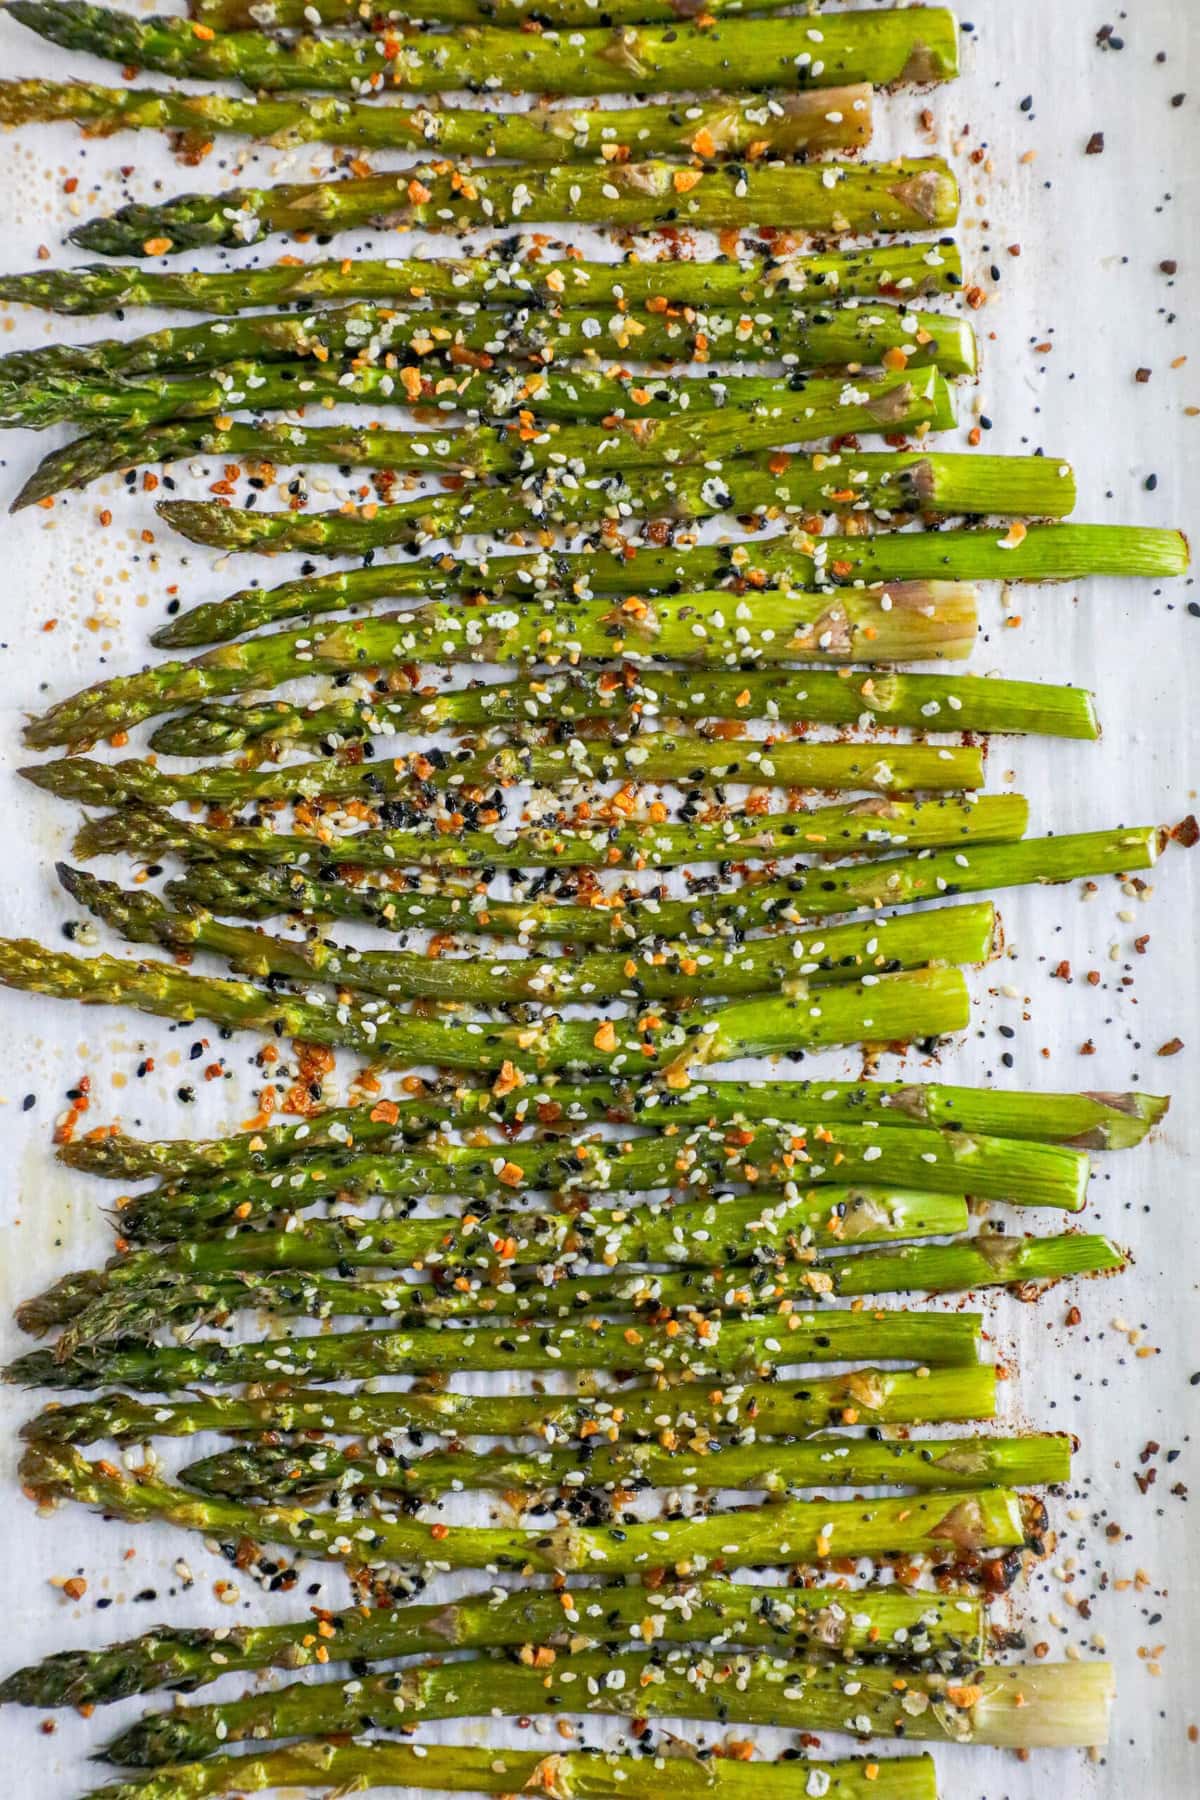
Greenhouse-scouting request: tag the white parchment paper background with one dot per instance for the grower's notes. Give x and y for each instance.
(1092, 232)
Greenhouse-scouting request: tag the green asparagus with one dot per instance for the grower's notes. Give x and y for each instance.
(317, 1470)
(1044, 553)
(890, 483)
(838, 953)
(570, 394)
(821, 408)
(688, 761)
(841, 199)
(879, 48)
(795, 899)
(864, 1396)
(803, 123)
(795, 1531)
(809, 1154)
(244, 15)
(139, 1290)
(994, 1260)
(926, 702)
(901, 623)
(150, 833)
(801, 338)
(887, 482)
(909, 1627)
(915, 1004)
(700, 1345)
(566, 1775)
(1039, 1704)
(1084, 1121)
(1043, 1705)
(890, 271)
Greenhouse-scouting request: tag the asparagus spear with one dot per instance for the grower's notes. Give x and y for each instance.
(992, 1261)
(793, 1531)
(243, 15)
(916, 1004)
(909, 1627)
(570, 1775)
(839, 953)
(821, 408)
(864, 1396)
(873, 825)
(907, 622)
(1085, 1121)
(663, 757)
(803, 123)
(800, 337)
(843, 199)
(699, 1346)
(959, 703)
(1044, 1705)
(759, 53)
(775, 1153)
(313, 1471)
(1044, 553)
(266, 383)
(888, 482)
(140, 1288)
(793, 899)
(893, 271)
(569, 395)
(129, 1299)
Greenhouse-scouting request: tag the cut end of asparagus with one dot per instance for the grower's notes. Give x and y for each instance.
(1051, 1706)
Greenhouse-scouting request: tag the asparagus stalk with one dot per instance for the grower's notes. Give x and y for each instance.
(1084, 1121)
(793, 899)
(864, 1396)
(150, 833)
(133, 403)
(691, 761)
(144, 1289)
(569, 396)
(839, 953)
(991, 1261)
(803, 123)
(959, 703)
(318, 1471)
(1042, 1705)
(890, 483)
(776, 1153)
(699, 1346)
(570, 1775)
(900, 623)
(243, 15)
(1044, 553)
(887, 482)
(843, 199)
(765, 486)
(822, 408)
(909, 1627)
(916, 1004)
(801, 338)
(497, 278)
(794, 1531)
(883, 48)
(140, 1289)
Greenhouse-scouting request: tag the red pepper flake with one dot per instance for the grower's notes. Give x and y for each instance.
(1095, 144)
(1172, 1047)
